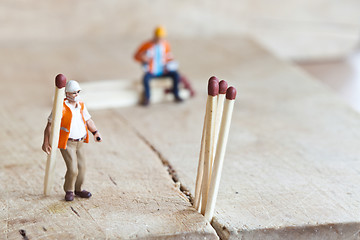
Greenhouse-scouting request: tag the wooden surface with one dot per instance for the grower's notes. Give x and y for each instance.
(292, 164)
(291, 169)
(341, 75)
(118, 93)
(133, 194)
(293, 29)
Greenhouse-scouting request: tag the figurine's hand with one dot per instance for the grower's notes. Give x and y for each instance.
(98, 137)
(46, 148)
(145, 59)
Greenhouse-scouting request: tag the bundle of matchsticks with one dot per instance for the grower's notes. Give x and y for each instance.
(219, 108)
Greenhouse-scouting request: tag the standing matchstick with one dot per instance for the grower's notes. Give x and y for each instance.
(200, 170)
(219, 112)
(60, 82)
(220, 106)
(213, 133)
(213, 91)
(220, 152)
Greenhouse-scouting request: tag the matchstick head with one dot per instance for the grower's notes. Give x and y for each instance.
(214, 78)
(213, 87)
(231, 93)
(223, 86)
(60, 81)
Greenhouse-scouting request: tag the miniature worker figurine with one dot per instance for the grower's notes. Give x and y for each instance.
(157, 60)
(75, 123)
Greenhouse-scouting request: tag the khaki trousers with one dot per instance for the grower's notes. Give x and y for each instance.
(75, 164)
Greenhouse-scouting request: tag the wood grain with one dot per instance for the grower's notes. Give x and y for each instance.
(292, 155)
(292, 160)
(133, 194)
(293, 29)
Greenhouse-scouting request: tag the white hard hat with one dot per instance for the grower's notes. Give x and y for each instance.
(72, 86)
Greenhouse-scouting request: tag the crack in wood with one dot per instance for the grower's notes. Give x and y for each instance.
(169, 168)
(164, 161)
(112, 180)
(75, 211)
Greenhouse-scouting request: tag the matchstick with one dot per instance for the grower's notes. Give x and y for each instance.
(200, 170)
(213, 91)
(213, 133)
(219, 112)
(220, 152)
(60, 82)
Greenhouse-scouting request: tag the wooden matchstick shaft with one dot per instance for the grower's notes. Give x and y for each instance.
(208, 154)
(219, 112)
(211, 103)
(60, 82)
(219, 157)
(200, 170)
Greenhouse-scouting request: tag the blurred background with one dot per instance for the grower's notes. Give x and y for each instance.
(320, 36)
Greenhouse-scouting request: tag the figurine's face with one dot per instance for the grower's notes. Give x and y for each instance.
(73, 96)
(157, 39)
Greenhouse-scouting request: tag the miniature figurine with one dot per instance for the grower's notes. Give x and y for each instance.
(157, 61)
(75, 123)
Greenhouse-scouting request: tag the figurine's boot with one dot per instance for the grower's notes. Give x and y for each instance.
(69, 196)
(83, 194)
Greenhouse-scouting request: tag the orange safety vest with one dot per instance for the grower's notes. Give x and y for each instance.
(148, 48)
(66, 123)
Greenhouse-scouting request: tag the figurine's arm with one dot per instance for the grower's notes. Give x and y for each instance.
(92, 128)
(46, 143)
(140, 54)
(144, 58)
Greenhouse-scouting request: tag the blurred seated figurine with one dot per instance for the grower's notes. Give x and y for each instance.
(157, 60)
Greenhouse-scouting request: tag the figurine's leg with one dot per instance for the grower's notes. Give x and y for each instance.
(81, 166)
(175, 77)
(186, 84)
(69, 155)
(146, 82)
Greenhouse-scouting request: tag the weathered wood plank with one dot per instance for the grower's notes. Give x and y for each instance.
(133, 195)
(293, 29)
(292, 163)
(117, 93)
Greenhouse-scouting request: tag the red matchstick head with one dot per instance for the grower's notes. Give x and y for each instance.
(214, 78)
(213, 87)
(60, 81)
(231, 93)
(222, 86)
